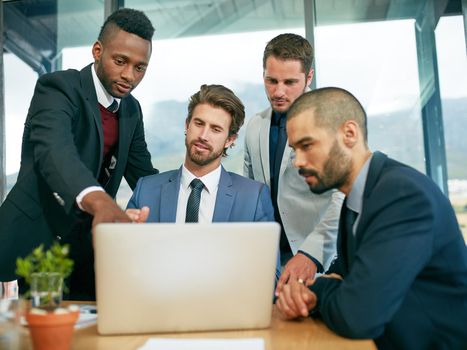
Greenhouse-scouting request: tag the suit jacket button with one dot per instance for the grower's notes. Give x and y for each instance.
(59, 199)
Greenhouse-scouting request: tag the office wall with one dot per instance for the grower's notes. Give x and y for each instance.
(371, 51)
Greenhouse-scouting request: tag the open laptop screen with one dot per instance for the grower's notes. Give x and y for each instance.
(160, 277)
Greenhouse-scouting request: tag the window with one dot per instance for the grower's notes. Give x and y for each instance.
(377, 62)
(18, 94)
(205, 44)
(452, 66)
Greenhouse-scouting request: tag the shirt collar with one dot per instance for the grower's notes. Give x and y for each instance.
(210, 180)
(103, 97)
(355, 197)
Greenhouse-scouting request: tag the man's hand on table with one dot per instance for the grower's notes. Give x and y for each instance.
(300, 267)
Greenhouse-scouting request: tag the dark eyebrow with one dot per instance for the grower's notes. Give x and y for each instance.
(217, 126)
(212, 125)
(127, 58)
(302, 140)
(121, 55)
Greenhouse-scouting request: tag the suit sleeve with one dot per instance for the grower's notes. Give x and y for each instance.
(139, 159)
(264, 208)
(396, 242)
(50, 125)
(321, 242)
(133, 203)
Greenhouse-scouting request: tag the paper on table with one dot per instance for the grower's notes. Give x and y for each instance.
(85, 320)
(203, 344)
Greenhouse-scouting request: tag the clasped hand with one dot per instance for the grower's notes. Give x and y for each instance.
(296, 299)
(300, 267)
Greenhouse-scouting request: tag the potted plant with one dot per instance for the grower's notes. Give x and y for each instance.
(51, 326)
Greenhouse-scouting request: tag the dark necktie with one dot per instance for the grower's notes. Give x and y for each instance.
(350, 217)
(113, 106)
(277, 146)
(192, 208)
(281, 141)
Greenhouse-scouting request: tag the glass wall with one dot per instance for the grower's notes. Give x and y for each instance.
(18, 93)
(377, 62)
(368, 49)
(202, 48)
(70, 24)
(452, 65)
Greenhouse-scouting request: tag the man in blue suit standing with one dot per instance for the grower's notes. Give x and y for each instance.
(215, 116)
(400, 276)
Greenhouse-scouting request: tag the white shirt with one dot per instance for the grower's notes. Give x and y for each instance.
(208, 195)
(105, 99)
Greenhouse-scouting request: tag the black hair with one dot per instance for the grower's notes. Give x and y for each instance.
(129, 20)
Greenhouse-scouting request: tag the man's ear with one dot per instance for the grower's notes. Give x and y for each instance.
(97, 50)
(350, 133)
(230, 140)
(309, 77)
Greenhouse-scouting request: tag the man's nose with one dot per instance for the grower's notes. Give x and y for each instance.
(280, 90)
(128, 73)
(204, 133)
(298, 160)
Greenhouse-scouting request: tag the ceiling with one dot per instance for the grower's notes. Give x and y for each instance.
(35, 33)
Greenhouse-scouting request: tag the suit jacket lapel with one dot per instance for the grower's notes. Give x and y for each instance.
(376, 166)
(126, 124)
(264, 145)
(377, 163)
(169, 198)
(90, 94)
(225, 198)
(285, 159)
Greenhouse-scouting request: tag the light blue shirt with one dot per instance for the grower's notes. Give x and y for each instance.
(355, 197)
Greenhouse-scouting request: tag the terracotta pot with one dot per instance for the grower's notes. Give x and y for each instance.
(51, 331)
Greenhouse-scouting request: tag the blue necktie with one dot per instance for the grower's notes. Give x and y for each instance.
(278, 140)
(281, 141)
(192, 208)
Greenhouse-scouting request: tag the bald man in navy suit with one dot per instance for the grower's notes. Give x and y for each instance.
(400, 276)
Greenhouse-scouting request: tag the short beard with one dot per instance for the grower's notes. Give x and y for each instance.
(335, 173)
(202, 160)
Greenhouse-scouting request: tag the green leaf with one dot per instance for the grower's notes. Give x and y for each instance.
(55, 259)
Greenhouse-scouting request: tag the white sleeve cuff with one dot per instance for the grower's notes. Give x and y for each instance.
(84, 192)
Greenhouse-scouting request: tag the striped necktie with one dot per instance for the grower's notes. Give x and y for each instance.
(192, 208)
(113, 106)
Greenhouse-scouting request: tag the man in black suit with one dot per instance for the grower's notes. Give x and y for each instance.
(83, 133)
(400, 276)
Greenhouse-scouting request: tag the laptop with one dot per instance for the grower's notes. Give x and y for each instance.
(167, 277)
